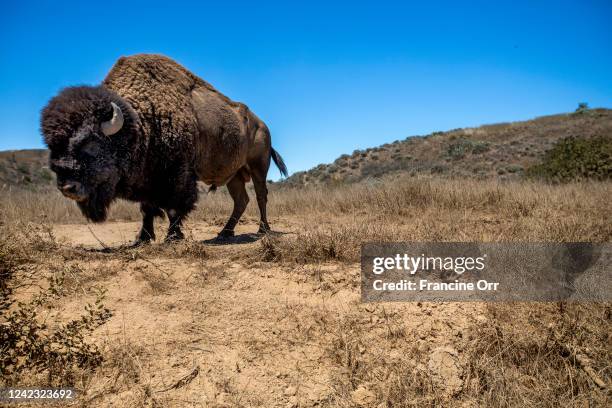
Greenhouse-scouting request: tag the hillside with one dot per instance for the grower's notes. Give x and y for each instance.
(503, 150)
(25, 168)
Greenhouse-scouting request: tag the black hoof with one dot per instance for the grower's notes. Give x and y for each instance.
(225, 234)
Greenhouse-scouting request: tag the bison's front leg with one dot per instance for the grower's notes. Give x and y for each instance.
(236, 189)
(180, 198)
(147, 231)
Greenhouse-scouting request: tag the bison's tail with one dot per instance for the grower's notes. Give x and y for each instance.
(278, 160)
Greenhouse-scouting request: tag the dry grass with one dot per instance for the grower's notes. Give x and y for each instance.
(415, 208)
(529, 355)
(436, 210)
(520, 354)
(408, 209)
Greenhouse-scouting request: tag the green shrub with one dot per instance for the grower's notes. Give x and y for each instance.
(27, 342)
(23, 168)
(479, 147)
(342, 159)
(583, 107)
(458, 150)
(514, 168)
(439, 169)
(575, 158)
(46, 175)
(461, 147)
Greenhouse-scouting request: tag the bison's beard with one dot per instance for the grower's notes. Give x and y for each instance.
(95, 206)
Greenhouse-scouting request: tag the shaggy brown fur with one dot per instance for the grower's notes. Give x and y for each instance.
(159, 90)
(177, 129)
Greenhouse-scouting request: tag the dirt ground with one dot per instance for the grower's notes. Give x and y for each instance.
(278, 321)
(226, 330)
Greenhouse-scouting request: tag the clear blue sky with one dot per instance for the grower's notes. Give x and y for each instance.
(328, 77)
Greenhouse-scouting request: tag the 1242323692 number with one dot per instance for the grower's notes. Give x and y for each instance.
(33, 393)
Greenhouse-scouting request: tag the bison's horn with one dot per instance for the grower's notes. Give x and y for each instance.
(114, 125)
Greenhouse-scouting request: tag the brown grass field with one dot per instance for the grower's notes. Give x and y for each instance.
(278, 322)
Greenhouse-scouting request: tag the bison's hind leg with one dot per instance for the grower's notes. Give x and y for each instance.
(236, 189)
(259, 172)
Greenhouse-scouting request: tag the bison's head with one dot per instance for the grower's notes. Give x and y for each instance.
(88, 136)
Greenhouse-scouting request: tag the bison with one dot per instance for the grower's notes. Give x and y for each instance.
(147, 134)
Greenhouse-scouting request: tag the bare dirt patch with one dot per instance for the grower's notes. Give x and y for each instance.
(260, 333)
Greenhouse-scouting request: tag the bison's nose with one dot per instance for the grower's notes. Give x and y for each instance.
(70, 188)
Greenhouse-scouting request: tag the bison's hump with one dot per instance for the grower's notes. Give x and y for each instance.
(159, 91)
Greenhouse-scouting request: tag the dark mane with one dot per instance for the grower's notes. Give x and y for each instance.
(78, 105)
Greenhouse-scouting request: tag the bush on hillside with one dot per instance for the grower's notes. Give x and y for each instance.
(458, 149)
(575, 158)
(583, 107)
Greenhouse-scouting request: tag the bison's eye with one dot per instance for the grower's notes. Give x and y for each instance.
(91, 149)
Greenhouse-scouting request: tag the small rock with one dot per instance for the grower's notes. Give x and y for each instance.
(293, 402)
(290, 391)
(222, 400)
(445, 369)
(422, 347)
(481, 319)
(363, 396)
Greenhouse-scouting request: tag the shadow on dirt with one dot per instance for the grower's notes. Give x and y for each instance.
(241, 238)
(235, 240)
